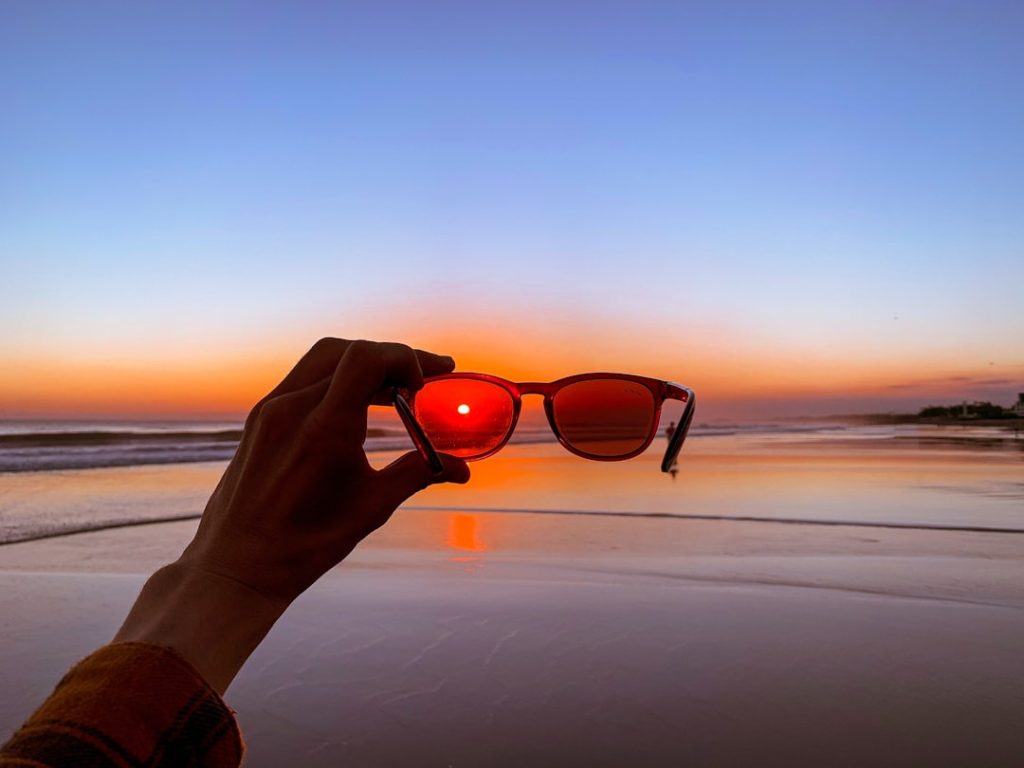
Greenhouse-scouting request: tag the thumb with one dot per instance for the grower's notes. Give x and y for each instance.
(409, 474)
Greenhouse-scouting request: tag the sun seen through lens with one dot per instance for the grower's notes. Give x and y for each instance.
(468, 418)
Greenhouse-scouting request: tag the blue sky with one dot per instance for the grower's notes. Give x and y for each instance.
(837, 181)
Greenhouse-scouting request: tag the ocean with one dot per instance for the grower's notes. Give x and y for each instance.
(36, 446)
(58, 478)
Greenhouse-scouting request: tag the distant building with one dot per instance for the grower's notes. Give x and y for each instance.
(1018, 408)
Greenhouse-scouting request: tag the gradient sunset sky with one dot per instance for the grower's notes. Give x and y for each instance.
(794, 208)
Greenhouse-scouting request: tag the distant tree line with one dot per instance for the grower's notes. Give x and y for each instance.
(974, 410)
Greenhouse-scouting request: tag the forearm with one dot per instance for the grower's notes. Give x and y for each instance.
(214, 622)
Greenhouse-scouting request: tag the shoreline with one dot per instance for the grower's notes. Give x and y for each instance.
(623, 515)
(895, 419)
(946, 565)
(937, 480)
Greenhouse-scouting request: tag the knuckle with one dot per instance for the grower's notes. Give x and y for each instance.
(366, 353)
(406, 363)
(402, 349)
(275, 411)
(363, 347)
(314, 427)
(403, 354)
(254, 415)
(326, 344)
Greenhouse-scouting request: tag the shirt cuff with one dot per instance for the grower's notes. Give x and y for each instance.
(126, 704)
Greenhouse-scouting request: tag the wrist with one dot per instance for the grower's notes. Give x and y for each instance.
(211, 620)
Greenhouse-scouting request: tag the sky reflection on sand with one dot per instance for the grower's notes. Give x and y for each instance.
(746, 475)
(891, 482)
(895, 477)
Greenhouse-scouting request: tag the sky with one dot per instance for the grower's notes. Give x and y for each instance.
(792, 207)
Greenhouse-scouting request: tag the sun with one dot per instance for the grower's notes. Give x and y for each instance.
(463, 409)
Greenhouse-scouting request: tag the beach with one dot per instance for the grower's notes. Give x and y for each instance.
(826, 597)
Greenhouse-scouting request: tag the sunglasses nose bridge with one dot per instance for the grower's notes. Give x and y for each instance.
(534, 388)
(542, 389)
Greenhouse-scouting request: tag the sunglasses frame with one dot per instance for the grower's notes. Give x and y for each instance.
(660, 390)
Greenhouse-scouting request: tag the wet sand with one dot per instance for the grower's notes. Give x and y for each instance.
(460, 637)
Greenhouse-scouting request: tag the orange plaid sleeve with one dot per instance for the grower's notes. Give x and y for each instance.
(129, 705)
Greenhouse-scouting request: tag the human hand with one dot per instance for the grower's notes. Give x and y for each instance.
(300, 493)
(297, 497)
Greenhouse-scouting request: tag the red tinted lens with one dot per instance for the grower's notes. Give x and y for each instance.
(605, 417)
(464, 417)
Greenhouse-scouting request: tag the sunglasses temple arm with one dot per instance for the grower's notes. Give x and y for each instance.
(419, 437)
(679, 436)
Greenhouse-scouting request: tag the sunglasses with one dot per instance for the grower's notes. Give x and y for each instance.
(600, 416)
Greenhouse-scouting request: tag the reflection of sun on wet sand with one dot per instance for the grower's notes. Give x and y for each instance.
(464, 533)
(486, 638)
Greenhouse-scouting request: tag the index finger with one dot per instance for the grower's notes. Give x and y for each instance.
(368, 369)
(323, 357)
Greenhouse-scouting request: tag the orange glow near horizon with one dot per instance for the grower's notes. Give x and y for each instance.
(723, 368)
(534, 203)
(177, 390)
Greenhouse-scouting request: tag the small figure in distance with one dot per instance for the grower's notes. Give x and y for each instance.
(669, 431)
